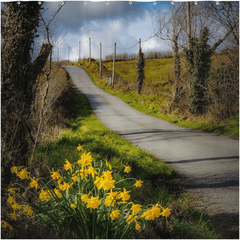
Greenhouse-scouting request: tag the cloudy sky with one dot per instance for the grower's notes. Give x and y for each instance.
(117, 21)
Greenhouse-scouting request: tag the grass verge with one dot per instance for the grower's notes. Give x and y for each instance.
(161, 183)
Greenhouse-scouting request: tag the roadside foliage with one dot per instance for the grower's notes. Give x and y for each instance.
(83, 198)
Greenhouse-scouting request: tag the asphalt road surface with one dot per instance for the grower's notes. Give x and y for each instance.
(210, 162)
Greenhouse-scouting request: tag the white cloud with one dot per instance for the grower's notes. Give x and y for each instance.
(115, 26)
(153, 44)
(107, 32)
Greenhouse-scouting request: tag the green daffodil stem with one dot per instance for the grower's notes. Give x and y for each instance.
(125, 179)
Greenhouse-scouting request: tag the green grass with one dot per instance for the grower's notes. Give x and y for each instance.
(156, 70)
(154, 105)
(70, 81)
(104, 144)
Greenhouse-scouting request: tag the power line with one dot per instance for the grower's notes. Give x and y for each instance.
(128, 48)
(109, 47)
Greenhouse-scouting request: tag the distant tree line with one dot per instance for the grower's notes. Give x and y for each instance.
(148, 55)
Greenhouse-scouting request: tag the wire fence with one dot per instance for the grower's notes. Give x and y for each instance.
(91, 49)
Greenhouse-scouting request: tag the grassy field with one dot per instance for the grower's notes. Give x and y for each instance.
(156, 70)
(155, 99)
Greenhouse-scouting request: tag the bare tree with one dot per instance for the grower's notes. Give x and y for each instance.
(169, 27)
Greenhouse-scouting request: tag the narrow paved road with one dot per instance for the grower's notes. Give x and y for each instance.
(210, 161)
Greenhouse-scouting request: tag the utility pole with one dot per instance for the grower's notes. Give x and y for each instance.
(68, 52)
(100, 70)
(114, 56)
(79, 50)
(139, 44)
(58, 55)
(89, 51)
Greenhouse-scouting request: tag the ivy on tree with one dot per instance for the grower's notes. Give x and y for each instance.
(140, 70)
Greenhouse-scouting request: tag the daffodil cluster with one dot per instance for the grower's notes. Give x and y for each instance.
(86, 193)
(18, 209)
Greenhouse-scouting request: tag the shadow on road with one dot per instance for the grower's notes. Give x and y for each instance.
(203, 159)
(230, 183)
(159, 134)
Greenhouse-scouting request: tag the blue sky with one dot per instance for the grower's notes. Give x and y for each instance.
(117, 21)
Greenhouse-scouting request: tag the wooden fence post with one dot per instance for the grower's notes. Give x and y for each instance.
(100, 70)
(89, 51)
(114, 56)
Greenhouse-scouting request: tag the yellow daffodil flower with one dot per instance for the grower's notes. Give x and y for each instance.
(55, 175)
(131, 218)
(11, 199)
(44, 195)
(68, 165)
(12, 190)
(109, 202)
(166, 212)
(108, 165)
(108, 184)
(127, 169)
(5, 224)
(73, 206)
(74, 178)
(27, 209)
(152, 213)
(136, 208)
(93, 202)
(137, 226)
(110, 199)
(24, 174)
(15, 169)
(13, 216)
(98, 182)
(138, 183)
(79, 148)
(124, 195)
(156, 211)
(107, 175)
(114, 214)
(34, 183)
(57, 192)
(65, 186)
(91, 170)
(86, 159)
(84, 197)
(147, 215)
(112, 194)
(16, 206)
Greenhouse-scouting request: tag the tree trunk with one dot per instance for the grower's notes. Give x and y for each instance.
(18, 79)
(177, 69)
